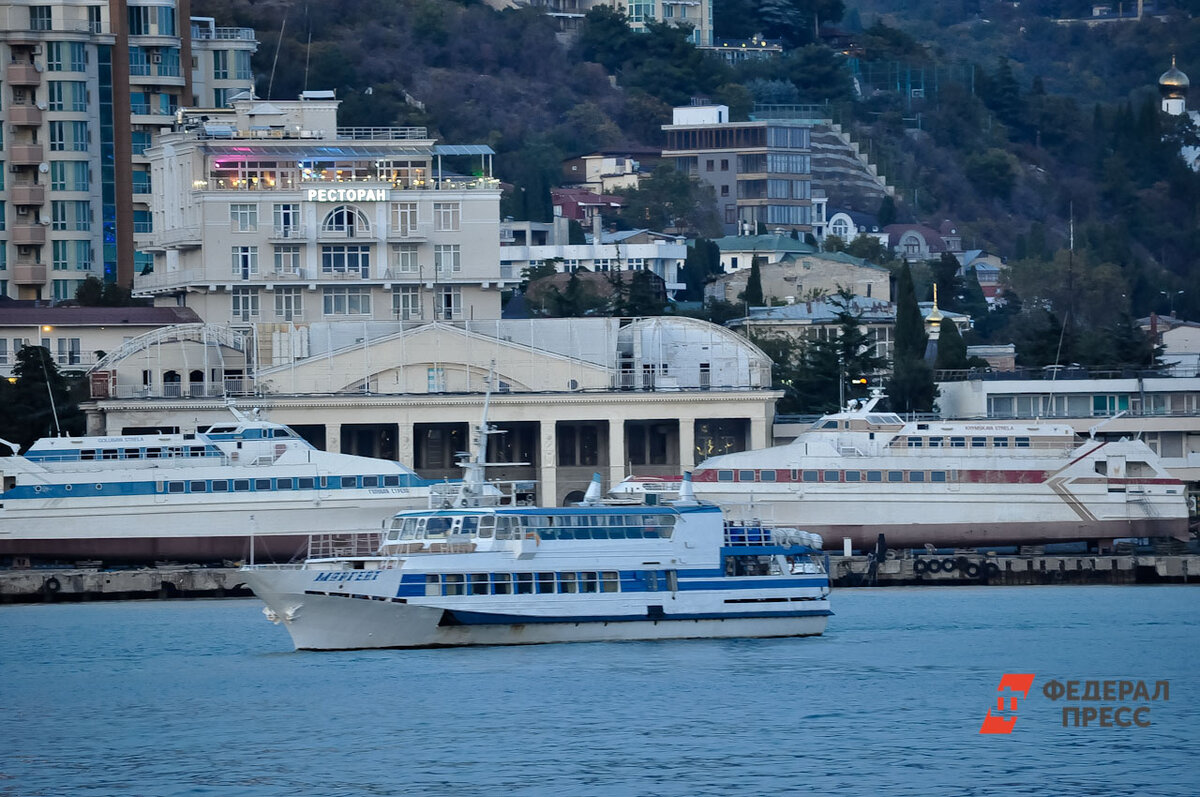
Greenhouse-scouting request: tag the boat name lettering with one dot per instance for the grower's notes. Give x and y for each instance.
(986, 428)
(353, 575)
(346, 195)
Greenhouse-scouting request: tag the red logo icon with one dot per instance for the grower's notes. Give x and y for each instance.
(1013, 682)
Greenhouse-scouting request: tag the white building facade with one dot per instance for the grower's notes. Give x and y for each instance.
(272, 216)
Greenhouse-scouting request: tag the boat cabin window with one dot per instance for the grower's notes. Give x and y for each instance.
(154, 453)
(914, 442)
(285, 484)
(935, 442)
(724, 475)
(852, 476)
(745, 475)
(87, 454)
(826, 425)
(1022, 442)
(391, 481)
(306, 483)
(895, 475)
(767, 476)
(832, 476)
(958, 442)
(1000, 442)
(262, 484)
(220, 485)
(916, 475)
(370, 481)
(812, 476)
(349, 481)
(454, 584)
(110, 453)
(523, 583)
(545, 583)
(469, 524)
(437, 527)
(937, 475)
(175, 487)
(874, 475)
(978, 442)
(501, 583)
(487, 526)
(566, 582)
(198, 487)
(479, 583)
(280, 433)
(588, 582)
(241, 485)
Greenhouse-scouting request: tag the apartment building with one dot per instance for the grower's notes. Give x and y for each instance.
(760, 170)
(569, 14)
(85, 87)
(269, 215)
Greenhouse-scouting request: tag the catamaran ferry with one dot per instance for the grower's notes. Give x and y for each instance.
(191, 497)
(504, 575)
(862, 472)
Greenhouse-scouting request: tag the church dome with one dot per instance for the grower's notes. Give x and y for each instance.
(1173, 82)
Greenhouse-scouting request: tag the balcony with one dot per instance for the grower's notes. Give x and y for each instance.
(156, 282)
(288, 232)
(25, 154)
(23, 73)
(29, 235)
(223, 34)
(178, 238)
(28, 115)
(27, 194)
(29, 273)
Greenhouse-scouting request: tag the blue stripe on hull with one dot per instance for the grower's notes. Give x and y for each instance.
(459, 617)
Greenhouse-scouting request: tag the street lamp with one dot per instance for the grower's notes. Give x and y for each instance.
(1171, 297)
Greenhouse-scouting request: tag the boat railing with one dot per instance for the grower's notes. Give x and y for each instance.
(344, 545)
(519, 492)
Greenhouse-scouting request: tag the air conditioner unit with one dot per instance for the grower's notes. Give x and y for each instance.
(22, 210)
(37, 49)
(41, 106)
(156, 58)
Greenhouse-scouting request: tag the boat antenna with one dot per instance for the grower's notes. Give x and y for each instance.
(16, 449)
(49, 391)
(1092, 430)
(474, 463)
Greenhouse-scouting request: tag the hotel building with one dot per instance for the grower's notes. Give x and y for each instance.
(278, 219)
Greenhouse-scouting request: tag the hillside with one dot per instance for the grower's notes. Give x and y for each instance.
(1023, 124)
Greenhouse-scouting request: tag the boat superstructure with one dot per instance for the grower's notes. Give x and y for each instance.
(861, 472)
(194, 496)
(475, 573)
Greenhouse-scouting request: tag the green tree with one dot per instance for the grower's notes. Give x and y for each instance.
(671, 199)
(753, 295)
(531, 273)
(911, 388)
(887, 211)
(833, 243)
(991, 173)
(39, 402)
(703, 262)
(949, 285)
(869, 248)
(830, 369)
(951, 350)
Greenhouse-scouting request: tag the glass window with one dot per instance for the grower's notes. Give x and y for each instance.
(406, 302)
(404, 218)
(347, 301)
(289, 303)
(346, 259)
(245, 261)
(978, 442)
(567, 582)
(446, 216)
(449, 303)
(347, 220)
(895, 475)
(404, 259)
(746, 476)
(447, 258)
(39, 18)
(244, 303)
(243, 218)
(287, 258)
(916, 475)
(937, 476)
(811, 476)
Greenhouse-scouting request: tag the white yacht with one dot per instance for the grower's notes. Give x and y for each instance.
(861, 472)
(191, 497)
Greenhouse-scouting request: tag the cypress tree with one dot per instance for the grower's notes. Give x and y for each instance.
(753, 295)
(951, 350)
(911, 388)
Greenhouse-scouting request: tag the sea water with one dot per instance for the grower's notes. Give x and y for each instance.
(208, 698)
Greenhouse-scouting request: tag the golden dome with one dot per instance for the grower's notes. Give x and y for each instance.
(1173, 81)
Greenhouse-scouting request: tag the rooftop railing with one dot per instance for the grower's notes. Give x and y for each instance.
(382, 133)
(1052, 373)
(228, 34)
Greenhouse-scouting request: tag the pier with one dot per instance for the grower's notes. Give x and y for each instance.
(37, 585)
(904, 568)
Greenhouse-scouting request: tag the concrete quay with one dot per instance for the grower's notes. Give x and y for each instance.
(974, 568)
(38, 585)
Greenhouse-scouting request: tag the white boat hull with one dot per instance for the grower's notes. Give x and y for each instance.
(322, 622)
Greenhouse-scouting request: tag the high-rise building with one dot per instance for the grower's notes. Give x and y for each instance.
(760, 171)
(84, 88)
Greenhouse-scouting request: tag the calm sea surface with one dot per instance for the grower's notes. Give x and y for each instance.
(208, 698)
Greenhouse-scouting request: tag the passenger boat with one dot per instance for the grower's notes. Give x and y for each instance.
(191, 497)
(861, 472)
(481, 572)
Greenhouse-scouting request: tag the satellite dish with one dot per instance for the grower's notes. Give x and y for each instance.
(43, 167)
